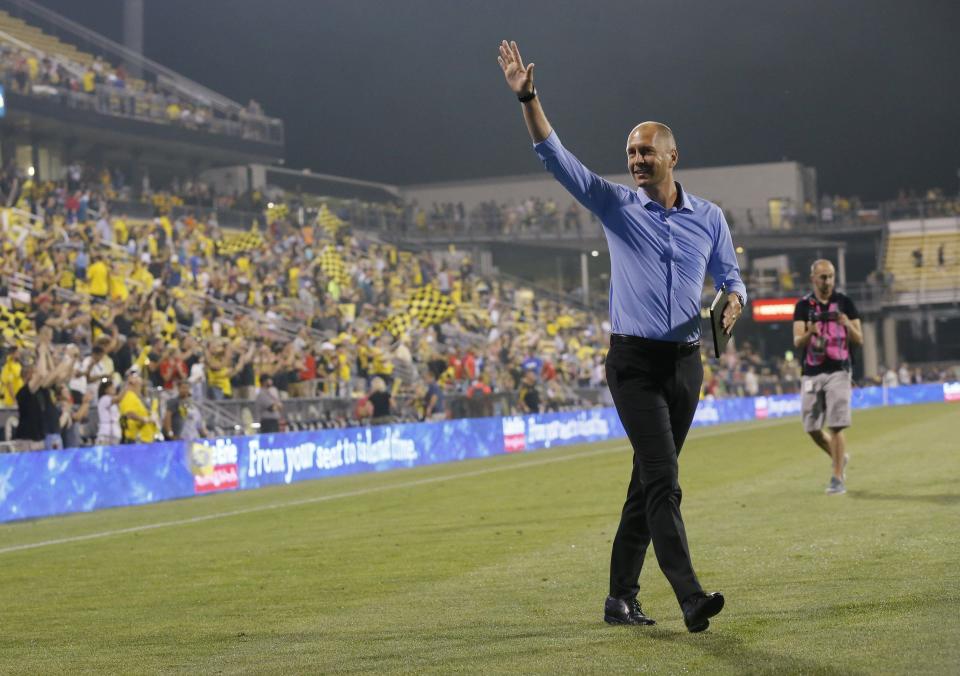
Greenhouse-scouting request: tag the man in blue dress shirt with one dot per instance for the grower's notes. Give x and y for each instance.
(662, 242)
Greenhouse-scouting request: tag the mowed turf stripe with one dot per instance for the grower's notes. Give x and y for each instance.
(698, 433)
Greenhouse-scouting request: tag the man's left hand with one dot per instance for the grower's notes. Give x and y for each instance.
(731, 313)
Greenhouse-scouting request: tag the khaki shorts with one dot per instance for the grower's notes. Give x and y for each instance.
(825, 399)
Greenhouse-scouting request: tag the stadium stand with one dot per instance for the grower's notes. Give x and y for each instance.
(37, 64)
(924, 260)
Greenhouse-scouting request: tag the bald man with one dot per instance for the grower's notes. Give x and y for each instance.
(662, 242)
(826, 326)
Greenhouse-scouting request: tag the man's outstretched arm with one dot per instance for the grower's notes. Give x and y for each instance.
(520, 80)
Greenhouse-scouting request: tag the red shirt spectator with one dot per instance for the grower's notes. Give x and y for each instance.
(309, 370)
(469, 366)
(172, 370)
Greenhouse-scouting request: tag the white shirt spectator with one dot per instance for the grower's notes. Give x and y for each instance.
(102, 369)
(108, 419)
(890, 378)
(904, 375)
(104, 230)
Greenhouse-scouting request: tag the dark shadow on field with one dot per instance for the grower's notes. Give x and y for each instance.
(725, 646)
(946, 499)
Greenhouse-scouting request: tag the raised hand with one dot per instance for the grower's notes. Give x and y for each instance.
(519, 77)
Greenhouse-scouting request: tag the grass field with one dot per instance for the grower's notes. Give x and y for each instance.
(500, 565)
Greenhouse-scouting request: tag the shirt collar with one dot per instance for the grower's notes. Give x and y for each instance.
(685, 203)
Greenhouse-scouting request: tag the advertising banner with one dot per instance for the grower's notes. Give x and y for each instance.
(44, 483)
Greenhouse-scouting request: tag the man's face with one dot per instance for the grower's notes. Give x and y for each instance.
(823, 279)
(183, 389)
(650, 157)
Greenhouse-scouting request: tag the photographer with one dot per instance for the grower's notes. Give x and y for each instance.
(826, 325)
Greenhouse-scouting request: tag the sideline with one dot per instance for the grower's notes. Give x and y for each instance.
(696, 433)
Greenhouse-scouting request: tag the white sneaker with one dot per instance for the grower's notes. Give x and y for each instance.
(836, 487)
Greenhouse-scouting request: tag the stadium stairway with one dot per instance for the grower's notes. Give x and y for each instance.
(923, 274)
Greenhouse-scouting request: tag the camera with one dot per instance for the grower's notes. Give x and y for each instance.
(825, 316)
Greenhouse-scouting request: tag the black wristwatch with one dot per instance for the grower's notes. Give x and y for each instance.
(527, 97)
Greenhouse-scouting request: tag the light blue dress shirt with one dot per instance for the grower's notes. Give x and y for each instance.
(658, 257)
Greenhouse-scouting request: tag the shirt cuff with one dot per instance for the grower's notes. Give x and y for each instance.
(741, 291)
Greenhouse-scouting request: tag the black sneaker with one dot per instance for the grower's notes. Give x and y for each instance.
(699, 608)
(624, 611)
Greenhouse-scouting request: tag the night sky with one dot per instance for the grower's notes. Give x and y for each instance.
(409, 91)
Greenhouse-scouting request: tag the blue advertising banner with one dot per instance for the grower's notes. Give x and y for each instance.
(534, 432)
(296, 456)
(44, 483)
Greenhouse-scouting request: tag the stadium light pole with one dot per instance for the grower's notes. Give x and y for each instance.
(842, 267)
(584, 278)
(133, 32)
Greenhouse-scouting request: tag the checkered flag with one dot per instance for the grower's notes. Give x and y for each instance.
(430, 306)
(239, 242)
(329, 221)
(16, 327)
(332, 265)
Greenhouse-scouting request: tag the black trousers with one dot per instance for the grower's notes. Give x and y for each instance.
(655, 387)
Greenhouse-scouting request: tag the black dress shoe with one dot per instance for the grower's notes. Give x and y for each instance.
(624, 611)
(699, 608)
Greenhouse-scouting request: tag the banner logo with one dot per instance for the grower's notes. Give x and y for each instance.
(514, 435)
(951, 391)
(214, 467)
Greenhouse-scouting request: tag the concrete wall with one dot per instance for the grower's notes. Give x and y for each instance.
(738, 188)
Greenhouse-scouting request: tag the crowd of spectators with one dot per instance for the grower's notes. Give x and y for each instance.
(128, 315)
(111, 90)
(80, 192)
(538, 217)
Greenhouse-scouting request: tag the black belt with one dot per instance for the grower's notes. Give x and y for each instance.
(664, 346)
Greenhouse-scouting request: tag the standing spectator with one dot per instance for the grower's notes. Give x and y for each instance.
(37, 411)
(92, 370)
(182, 419)
(268, 406)
(158, 351)
(379, 399)
(11, 377)
(98, 277)
(108, 414)
(890, 378)
(751, 383)
(528, 396)
(433, 405)
(137, 424)
(903, 374)
(173, 368)
(72, 417)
